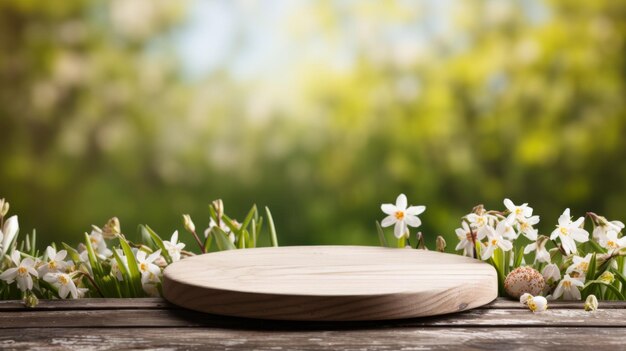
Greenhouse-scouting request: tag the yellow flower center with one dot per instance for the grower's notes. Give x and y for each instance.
(567, 284)
(532, 305)
(480, 221)
(494, 242)
(611, 244)
(52, 265)
(399, 215)
(518, 211)
(563, 230)
(583, 266)
(143, 267)
(63, 280)
(524, 226)
(22, 271)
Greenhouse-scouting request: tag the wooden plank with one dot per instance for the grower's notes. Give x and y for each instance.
(329, 283)
(89, 304)
(532, 338)
(159, 303)
(183, 318)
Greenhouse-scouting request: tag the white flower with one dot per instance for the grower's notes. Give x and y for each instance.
(223, 227)
(611, 242)
(525, 227)
(569, 232)
(537, 304)
(505, 228)
(9, 232)
(115, 267)
(21, 273)
(517, 212)
(494, 241)
(148, 269)
(173, 247)
(542, 255)
(534, 303)
(467, 238)
(479, 221)
(55, 262)
(551, 273)
(64, 283)
(603, 227)
(568, 288)
(580, 265)
(98, 244)
(401, 216)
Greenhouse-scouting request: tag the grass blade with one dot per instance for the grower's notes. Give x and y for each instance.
(381, 235)
(270, 220)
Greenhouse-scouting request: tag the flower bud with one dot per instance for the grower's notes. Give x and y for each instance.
(4, 207)
(30, 300)
(440, 243)
(111, 229)
(607, 277)
(591, 304)
(218, 206)
(188, 224)
(537, 304)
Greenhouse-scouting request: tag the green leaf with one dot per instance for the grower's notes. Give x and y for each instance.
(208, 241)
(591, 270)
(519, 256)
(221, 239)
(596, 246)
(126, 278)
(270, 220)
(72, 253)
(381, 235)
(133, 268)
(93, 259)
(147, 231)
(249, 217)
(615, 291)
(253, 234)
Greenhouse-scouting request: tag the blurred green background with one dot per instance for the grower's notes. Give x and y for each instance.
(320, 110)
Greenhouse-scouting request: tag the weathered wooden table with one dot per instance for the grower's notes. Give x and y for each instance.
(115, 324)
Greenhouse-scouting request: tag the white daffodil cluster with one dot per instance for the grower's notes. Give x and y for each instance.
(106, 263)
(573, 265)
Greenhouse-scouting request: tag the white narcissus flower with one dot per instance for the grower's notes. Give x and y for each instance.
(525, 227)
(569, 232)
(54, 263)
(537, 304)
(604, 227)
(173, 247)
(9, 232)
(534, 303)
(23, 272)
(148, 269)
(542, 255)
(115, 267)
(505, 228)
(64, 283)
(479, 221)
(520, 212)
(551, 273)
(568, 288)
(223, 227)
(611, 242)
(98, 244)
(467, 238)
(401, 216)
(580, 265)
(494, 241)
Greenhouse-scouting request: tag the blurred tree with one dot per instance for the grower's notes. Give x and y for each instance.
(521, 99)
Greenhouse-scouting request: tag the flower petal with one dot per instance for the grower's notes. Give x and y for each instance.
(389, 220)
(401, 202)
(413, 221)
(399, 229)
(389, 209)
(415, 210)
(509, 205)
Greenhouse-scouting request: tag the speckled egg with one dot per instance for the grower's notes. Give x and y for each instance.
(524, 280)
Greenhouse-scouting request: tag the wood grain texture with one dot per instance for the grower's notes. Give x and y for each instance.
(152, 323)
(329, 283)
